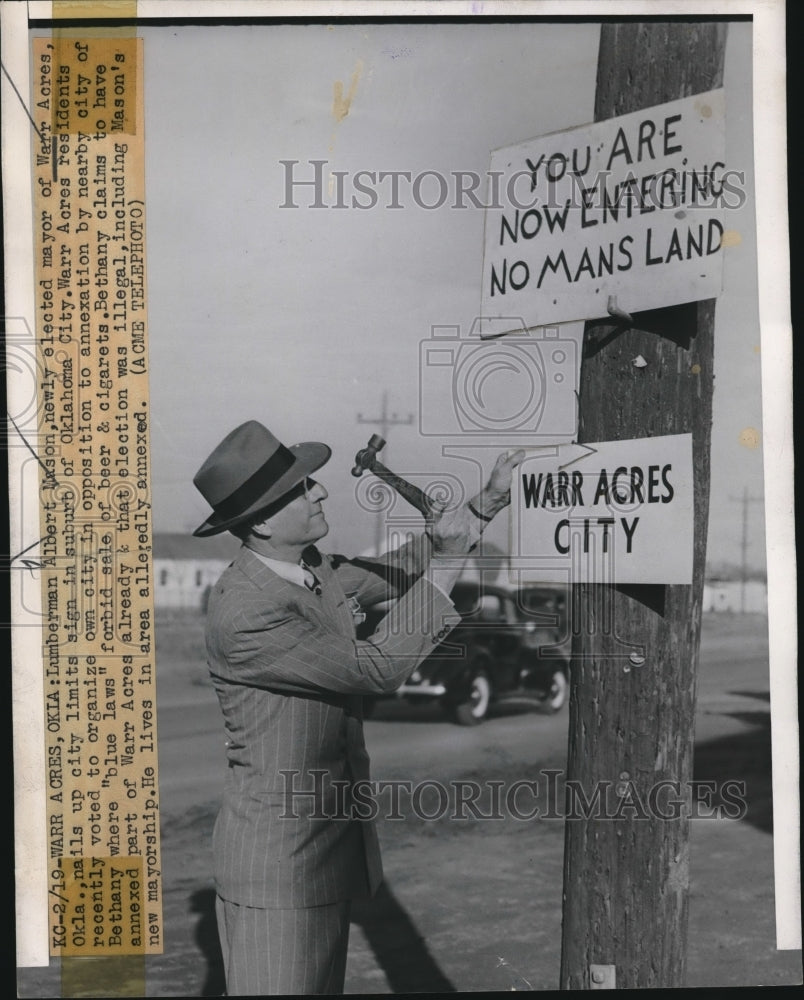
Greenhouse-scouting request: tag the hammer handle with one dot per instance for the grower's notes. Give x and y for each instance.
(411, 493)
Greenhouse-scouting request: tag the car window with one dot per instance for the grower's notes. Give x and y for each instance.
(474, 605)
(490, 608)
(466, 600)
(546, 637)
(541, 606)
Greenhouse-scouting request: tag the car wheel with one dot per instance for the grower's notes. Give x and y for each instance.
(474, 709)
(557, 692)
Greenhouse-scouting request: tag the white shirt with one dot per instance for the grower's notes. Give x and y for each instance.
(441, 579)
(292, 572)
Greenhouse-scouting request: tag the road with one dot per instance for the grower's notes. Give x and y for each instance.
(461, 898)
(414, 742)
(404, 741)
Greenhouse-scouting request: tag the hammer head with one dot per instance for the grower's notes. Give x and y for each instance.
(366, 457)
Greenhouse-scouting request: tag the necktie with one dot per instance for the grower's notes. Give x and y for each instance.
(311, 581)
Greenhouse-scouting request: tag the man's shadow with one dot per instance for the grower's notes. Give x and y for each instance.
(206, 938)
(744, 760)
(399, 948)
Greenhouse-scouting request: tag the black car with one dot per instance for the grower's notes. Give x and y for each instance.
(510, 646)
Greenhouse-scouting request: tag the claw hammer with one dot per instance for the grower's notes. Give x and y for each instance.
(366, 458)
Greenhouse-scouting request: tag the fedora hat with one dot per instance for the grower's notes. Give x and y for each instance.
(250, 470)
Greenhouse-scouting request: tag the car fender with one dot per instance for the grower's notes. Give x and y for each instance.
(459, 685)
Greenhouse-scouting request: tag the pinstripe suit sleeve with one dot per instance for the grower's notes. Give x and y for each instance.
(372, 580)
(280, 645)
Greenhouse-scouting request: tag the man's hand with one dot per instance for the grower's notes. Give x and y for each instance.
(497, 492)
(456, 532)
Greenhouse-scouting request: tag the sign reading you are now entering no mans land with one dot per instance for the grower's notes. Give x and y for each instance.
(614, 512)
(632, 207)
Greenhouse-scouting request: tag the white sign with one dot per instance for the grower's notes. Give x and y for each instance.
(631, 207)
(615, 512)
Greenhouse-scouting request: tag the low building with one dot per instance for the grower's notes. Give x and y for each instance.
(749, 597)
(186, 567)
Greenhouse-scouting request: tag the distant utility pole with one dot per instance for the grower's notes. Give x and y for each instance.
(746, 499)
(385, 421)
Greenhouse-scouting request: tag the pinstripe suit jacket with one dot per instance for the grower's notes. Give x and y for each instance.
(290, 676)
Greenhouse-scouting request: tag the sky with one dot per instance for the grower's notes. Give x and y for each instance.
(303, 318)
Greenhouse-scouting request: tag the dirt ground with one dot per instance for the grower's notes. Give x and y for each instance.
(476, 906)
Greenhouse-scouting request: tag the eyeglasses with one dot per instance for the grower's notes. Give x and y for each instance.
(302, 489)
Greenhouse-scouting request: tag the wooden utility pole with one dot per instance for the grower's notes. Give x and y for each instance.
(626, 880)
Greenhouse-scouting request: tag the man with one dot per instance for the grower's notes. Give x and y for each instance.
(290, 852)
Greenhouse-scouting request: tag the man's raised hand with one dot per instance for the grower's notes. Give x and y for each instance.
(496, 494)
(455, 532)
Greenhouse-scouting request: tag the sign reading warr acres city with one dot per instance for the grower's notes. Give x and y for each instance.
(614, 512)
